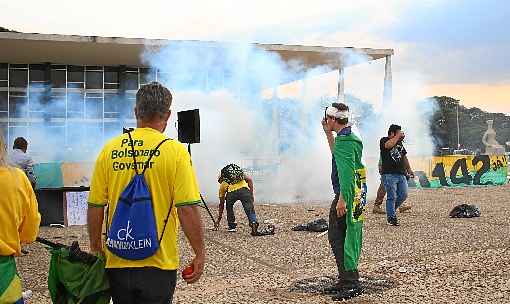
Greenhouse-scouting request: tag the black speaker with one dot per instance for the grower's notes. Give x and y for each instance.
(188, 126)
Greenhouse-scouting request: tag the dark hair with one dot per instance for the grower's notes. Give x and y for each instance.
(20, 143)
(341, 107)
(394, 129)
(152, 99)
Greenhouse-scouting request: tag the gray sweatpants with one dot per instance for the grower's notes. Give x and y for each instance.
(244, 195)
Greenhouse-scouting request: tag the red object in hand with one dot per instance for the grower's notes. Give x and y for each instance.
(187, 271)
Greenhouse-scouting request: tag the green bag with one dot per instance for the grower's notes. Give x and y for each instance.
(75, 278)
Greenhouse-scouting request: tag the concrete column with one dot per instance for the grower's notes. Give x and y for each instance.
(340, 89)
(388, 82)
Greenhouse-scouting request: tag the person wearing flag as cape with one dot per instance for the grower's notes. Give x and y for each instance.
(346, 215)
(19, 224)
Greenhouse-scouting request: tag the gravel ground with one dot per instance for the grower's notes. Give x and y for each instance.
(430, 258)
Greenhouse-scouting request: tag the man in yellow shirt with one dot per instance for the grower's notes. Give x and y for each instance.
(174, 192)
(19, 224)
(236, 186)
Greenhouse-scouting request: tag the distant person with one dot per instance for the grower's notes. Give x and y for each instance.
(140, 271)
(394, 171)
(235, 186)
(19, 158)
(19, 224)
(345, 233)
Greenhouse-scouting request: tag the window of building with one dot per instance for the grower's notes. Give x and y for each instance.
(75, 105)
(4, 75)
(111, 78)
(131, 80)
(18, 107)
(58, 78)
(94, 108)
(147, 76)
(37, 73)
(75, 77)
(4, 102)
(93, 78)
(3, 71)
(111, 102)
(18, 78)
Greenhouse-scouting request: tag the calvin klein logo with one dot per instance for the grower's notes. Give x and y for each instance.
(124, 234)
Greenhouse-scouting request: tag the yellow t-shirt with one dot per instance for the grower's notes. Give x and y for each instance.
(224, 187)
(170, 179)
(19, 215)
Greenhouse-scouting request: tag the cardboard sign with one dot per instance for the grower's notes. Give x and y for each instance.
(76, 208)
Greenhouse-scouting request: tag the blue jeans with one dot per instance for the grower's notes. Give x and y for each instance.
(396, 189)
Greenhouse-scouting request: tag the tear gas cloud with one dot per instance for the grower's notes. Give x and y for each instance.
(265, 115)
(255, 110)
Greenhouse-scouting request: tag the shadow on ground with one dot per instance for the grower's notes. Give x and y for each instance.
(371, 285)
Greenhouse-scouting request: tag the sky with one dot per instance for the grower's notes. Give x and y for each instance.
(457, 48)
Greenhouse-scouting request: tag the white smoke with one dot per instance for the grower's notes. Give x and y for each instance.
(248, 117)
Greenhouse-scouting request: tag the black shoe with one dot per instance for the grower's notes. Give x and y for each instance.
(348, 293)
(332, 289)
(392, 221)
(254, 228)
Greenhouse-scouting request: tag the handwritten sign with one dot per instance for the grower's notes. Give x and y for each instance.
(76, 208)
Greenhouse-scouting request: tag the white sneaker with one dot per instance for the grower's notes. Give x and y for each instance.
(27, 294)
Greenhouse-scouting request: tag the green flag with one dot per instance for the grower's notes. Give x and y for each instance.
(73, 281)
(10, 283)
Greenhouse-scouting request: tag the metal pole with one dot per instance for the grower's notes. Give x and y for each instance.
(458, 128)
(201, 197)
(388, 82)
(340, 95)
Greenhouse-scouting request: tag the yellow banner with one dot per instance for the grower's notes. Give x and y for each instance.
(460, 170)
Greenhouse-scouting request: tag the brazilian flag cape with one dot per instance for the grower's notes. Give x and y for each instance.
(10, 282)
(348, 151)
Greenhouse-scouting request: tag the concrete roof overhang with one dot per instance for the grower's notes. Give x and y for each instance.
(94, 50)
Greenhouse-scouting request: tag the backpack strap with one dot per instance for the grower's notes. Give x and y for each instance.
(166, 222)
(171, 206)
(133, 152)
(152, 154)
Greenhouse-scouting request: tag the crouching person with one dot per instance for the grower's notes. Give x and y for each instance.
(236, 186)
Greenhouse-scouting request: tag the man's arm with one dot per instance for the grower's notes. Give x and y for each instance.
(392, 142)
(221, 206)
(407, 165)
(95, 215)
(249, 181)
(329, 135)
(191, 223)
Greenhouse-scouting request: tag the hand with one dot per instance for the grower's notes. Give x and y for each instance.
(410, 173)
(325, 126)
(341, 210)
(198, 268)
(216, 225)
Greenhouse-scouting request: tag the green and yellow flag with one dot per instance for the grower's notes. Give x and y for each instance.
(10, 282)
